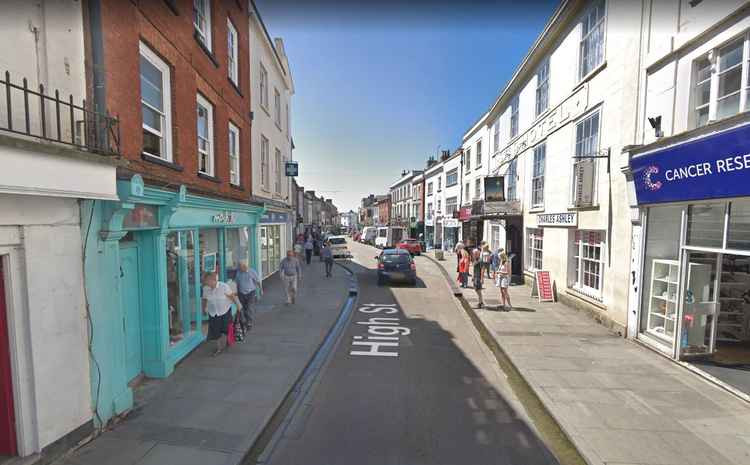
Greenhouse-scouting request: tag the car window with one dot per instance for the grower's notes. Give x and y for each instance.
(396, 258)
(337, 240)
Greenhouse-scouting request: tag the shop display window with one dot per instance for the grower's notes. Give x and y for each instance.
(181, 285)
(738, 236)
(661, 272)
(705, 225)
(236, 250)
(209, 247)
(264, 250)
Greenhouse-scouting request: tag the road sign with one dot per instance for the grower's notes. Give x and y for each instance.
(543, 285)
(292, 168)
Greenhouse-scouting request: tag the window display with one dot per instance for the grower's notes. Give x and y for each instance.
(705, 225)
(270, 249)
(738, 236)
(181, 289)
(236, 250)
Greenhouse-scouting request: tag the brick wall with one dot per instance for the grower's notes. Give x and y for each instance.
(171, 36)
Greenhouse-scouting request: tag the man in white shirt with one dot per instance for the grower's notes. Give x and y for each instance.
(217, 303)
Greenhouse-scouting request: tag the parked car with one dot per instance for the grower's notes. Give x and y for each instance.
(368, 235)
(396, 265)
(339, 249)
(412, 245)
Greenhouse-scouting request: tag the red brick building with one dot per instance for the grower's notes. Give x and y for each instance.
(384, 210)
(166, 35)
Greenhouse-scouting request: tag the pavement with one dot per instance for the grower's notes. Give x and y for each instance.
(211, 410)
(434, 395)
(618, 402)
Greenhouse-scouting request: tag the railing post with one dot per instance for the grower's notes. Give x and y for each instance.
(44, 116)
(72, 122)
(57, 113)
(26, 104)
(7, 100)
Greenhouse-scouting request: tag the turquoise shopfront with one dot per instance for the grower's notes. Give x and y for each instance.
(145, 257)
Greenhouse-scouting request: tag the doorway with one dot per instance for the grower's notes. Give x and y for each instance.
(130, 302)
(8, 444)
(514, 247)
(729, 359)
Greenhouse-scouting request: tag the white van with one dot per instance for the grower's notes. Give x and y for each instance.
(388, 237)
(368, 235)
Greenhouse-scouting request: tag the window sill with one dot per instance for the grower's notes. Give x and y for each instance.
(205, 49)
(208, 177)
(589, 76)
(237, 187)
(161, 162)
(235, 86)
(583, 208)
(586, 296)
(537, 209)
(477, 167)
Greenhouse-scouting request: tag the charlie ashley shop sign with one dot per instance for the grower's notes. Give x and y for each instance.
(716, 166)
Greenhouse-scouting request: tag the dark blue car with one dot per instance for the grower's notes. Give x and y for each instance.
(396, 265)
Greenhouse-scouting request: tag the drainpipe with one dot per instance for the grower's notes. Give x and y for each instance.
(97, 63)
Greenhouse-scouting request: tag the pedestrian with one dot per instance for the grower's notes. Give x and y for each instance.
(299, 247)
(291, 273)
(248, 282)
(495, 262)
(486, 258)
(457, 250)
(308, 249)
(217, 303)
(479, 266)
(463, 268)
(327, 255)
(504, 281)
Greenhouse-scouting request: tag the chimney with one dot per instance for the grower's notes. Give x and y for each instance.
(431, 162)
(404, 173)
(446, 154)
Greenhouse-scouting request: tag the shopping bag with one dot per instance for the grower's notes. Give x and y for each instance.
(230, 333)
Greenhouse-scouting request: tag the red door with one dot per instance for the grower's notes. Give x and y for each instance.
(7, 412)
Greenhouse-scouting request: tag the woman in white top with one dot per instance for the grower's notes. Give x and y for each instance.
(504, 280)
(217, 303)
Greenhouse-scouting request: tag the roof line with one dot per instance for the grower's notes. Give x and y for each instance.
(268, 36)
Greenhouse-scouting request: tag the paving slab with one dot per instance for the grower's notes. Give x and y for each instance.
(619, 402)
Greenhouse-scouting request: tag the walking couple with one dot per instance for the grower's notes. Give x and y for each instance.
(481, 261)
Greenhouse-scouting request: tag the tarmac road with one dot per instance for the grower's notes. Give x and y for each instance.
(409, 383)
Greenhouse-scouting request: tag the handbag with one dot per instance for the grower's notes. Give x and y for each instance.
(230, 333)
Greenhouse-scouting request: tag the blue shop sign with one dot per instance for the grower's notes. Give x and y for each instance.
(274, 217)
(717, 166)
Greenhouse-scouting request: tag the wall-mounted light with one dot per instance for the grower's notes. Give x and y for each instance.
(655, 123)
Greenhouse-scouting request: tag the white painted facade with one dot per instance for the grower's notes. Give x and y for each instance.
(449, 199)
(40, 234)
(401, 199)
(606, 92)
(271, 90)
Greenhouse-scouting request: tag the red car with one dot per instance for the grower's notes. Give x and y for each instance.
(412, 245)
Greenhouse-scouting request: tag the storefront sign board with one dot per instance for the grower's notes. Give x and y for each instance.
(224, 218)
(464, 214)
(274, 217)
(566, 219)
(543, 286)
(429, 222)
(716, 166)
(450, 223)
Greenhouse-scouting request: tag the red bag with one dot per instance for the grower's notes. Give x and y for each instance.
(230, 333)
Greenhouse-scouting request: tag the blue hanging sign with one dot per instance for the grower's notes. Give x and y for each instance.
(713, 167)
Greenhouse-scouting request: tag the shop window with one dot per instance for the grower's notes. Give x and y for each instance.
(587, 262)
(270, 242)
(236, 250)
(534, 246)
(183, 306)
(661, 257)
(738, 236)
(705, 225)
(209, 248)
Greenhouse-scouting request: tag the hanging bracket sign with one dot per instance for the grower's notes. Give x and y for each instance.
(292, 169)
(543, 285)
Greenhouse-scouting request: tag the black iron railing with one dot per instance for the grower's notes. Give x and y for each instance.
(34, 113)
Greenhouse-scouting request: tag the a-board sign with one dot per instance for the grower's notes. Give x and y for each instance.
(544, 286)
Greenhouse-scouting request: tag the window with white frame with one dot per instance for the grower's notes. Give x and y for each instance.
(264, 168)
(202, 21)
(451, 177)
(537, 175)
(718, 87)
(205, 120)
(467, 160)
(277, 107)
(429, 188)
(234, 154)
(467, 194)
(263, 87)
(232, 53)
(584, 165)
(478, 163)
(496, 137)
(451, 205)
(277, 154)
(440, 183)
(156, 110)
(591, 51)
(542, 87)
(514, 117)
(511, 176)
(478, 188)
(429, 211)
(534, 247)
(587, 254)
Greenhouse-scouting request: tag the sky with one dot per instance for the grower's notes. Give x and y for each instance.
(382, 85)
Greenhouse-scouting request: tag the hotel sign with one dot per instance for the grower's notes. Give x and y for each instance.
(557, 219)
(569, 109)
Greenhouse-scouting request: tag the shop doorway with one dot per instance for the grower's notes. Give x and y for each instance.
(8, 444)
(514, 247)
(729, 335)
(130, 302)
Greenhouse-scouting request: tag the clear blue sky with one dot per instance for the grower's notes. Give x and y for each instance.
(379, 85)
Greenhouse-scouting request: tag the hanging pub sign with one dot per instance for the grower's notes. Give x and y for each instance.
(292, 169)
(713, 167)
(494, 189)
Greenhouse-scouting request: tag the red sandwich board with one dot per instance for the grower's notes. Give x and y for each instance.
(544, 286)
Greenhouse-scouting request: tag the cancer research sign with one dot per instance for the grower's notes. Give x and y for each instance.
(717, 166)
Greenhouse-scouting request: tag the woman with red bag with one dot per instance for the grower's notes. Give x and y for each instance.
(217, 303)
(463, 268)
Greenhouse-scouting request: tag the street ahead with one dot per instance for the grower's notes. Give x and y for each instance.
(409, 383)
